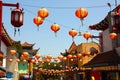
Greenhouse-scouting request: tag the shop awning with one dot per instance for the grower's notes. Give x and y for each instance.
(108, 58)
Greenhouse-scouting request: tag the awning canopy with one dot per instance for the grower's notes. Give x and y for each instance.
(104, 59)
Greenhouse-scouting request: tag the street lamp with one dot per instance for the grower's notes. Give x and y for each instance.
(17, 17)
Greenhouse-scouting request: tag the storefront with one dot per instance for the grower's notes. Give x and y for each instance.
(105, 66)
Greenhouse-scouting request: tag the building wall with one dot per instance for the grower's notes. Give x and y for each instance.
(4, 50)
(85, 47)
(107, 42)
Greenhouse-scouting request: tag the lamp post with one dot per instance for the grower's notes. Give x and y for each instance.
(16, 16)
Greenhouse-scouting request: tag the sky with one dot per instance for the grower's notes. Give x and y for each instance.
(61, 12)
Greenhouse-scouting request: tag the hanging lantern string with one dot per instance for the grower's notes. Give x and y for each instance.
(66, 7)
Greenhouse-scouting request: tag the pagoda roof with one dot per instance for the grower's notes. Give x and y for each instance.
(6, 38)
(72, 47)
(103, 24)
(26, 44)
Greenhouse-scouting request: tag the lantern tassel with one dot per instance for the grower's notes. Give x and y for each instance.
(38, 28)
(81, 21)
(14, 32)
(19, 31)
(73, 39)
(55, 34)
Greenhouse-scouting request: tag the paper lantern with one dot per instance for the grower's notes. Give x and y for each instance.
(81, 13)
(12, 52)
(37, 56)
(87, 35)
(73, 33)
(69, 56)
(113, 36)
(17, 60)
(10, 60)
(43, 13)
(17, 19)
(38, 21)
(119, 11)
(55, 28)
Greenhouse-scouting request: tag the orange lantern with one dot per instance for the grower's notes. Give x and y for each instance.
(17, 60)
(69, 56)
(24, 60)
(119, 11)
(87, 54)
(25, 54)
(74, 56)
(64, 58)
(49, 56)
(12, 52)
(37, 56)
(43, 13)
(47, 60)
(81, 13)
(113, 36)
(39, 60)
(87, 35)
(38, 21)
(79, 55)
(10, 60)
(60, 57)
(73, 33)
(32, 61)
(55, 59)
(55, 27)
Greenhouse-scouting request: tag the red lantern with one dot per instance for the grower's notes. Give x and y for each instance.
(64, 59)
(55, 59)
(79, 55)
(25, 54)
(17, 18)
(55, 27)
(69, 56)
(81, 13)
(73, 33)
(12, 52)
(60, 57)
(24, 60)
(43, 13)
(38, 21)
(119, 11)
(17, 60)
(113, 35)
(37, 56)
(32, 61)
(47, 60)
(87, 35)
(74, 56)
(49, 56)
(10, 60)
(39, 60)
(87, 54)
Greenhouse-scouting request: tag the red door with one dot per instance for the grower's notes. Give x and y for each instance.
(95, 75)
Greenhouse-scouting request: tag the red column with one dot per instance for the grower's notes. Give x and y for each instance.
(0, 23)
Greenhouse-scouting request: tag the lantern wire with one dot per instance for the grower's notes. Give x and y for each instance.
(65, 7)
(62, 8)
